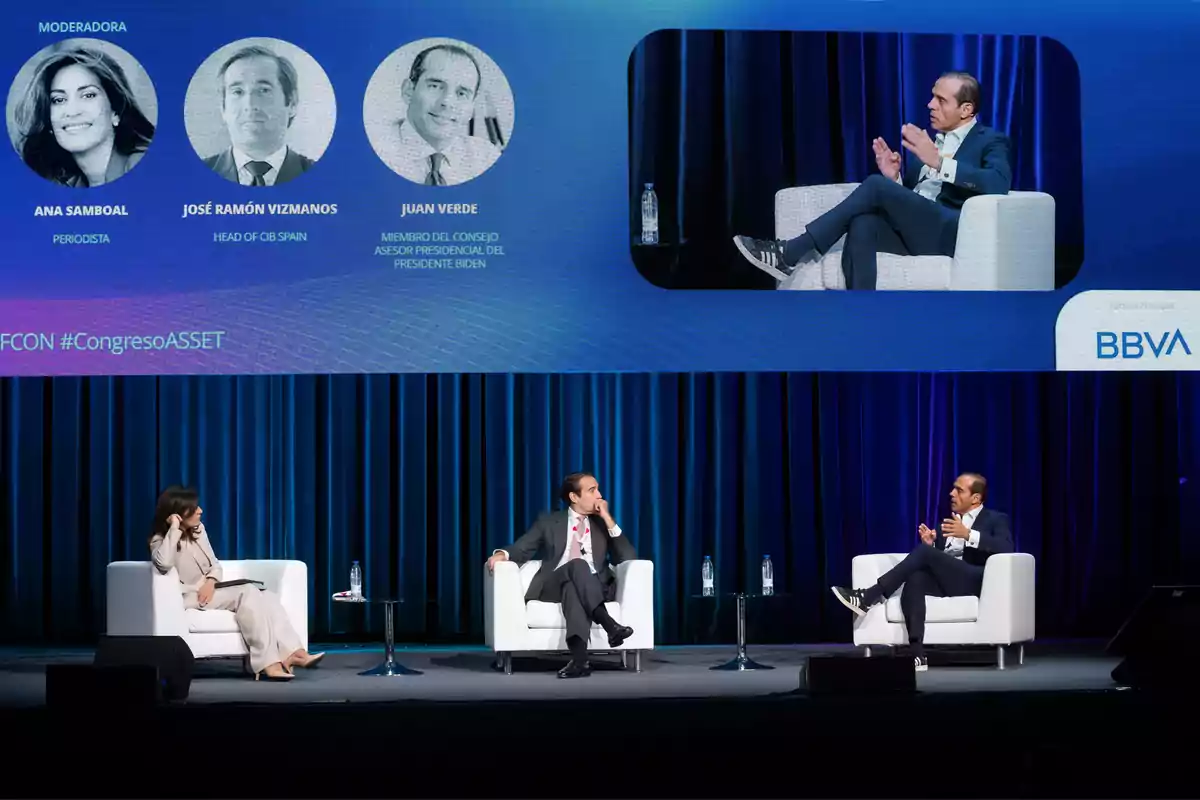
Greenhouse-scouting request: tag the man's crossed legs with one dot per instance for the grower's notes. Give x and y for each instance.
(926, 571)
(879, 216)
(583, 597)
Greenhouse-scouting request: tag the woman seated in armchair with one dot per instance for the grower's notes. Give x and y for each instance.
(180, 541)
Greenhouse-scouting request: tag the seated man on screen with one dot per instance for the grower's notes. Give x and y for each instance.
(916, 215)
(431, 145)
(573, 544)
(259, 99)
(945, 564)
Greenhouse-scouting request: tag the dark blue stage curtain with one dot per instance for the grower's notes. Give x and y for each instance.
(720, 121)
(421, 476)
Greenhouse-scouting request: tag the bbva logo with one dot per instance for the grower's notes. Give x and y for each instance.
(1134, 344)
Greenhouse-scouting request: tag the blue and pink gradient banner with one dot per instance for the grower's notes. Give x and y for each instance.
(317, 291)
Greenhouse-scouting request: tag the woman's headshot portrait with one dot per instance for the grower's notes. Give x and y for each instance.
(82, 113)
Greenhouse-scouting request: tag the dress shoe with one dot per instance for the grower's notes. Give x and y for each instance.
(274, 672)
(574, 669)
(312, 661)
(619, 635)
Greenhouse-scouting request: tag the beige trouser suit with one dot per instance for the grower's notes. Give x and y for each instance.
(260, 616)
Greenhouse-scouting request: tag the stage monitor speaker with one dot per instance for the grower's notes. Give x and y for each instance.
(1160, 641)
(169, 655)
(853, 674)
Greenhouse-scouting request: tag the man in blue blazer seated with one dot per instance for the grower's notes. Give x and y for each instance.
(948, 563)
(913, 215)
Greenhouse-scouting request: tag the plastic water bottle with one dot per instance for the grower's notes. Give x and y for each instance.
(706, 574)
(768, 570)
(356, 581)
(649, 215)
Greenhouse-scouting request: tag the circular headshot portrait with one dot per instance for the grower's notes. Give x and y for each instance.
(260, 112)
(82, 112)
(438, 112)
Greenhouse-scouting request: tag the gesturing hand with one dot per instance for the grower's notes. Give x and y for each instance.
(917, 142)
(927, 534)
(887, 159)
(954, 528)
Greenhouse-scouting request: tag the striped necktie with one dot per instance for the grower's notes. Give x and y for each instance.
(434, 178)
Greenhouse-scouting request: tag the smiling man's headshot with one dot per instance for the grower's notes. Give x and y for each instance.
(438, 112)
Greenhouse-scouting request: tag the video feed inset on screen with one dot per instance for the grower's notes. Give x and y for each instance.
(855, 161)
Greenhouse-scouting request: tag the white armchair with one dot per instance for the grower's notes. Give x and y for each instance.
(512, 625)
(1005, 243)
(1001, 616)
(144, 602)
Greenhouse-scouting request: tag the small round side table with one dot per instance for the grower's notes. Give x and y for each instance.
(389, 667)
(741, 662)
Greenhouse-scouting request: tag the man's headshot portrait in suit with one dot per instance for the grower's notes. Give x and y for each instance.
(260, 112)
(82, 113)
(438, 112)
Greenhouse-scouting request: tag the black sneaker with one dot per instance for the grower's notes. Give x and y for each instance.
(921, 663)
(766, 254)
(851, 599)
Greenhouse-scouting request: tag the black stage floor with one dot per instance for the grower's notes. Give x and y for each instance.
(1057, 726)
(469, 676)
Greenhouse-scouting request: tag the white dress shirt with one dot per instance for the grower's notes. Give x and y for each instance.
(581, 526)
(407, 152)
(930, 180)
(246, 177)
(954, 546)
(577, 525)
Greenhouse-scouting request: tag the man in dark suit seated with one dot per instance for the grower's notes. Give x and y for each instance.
(945, 564)
(259, 98)
(915, 215)
(574, 544)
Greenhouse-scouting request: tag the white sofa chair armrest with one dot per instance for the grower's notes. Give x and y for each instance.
(635, 593)
(865, 571)
(796, 206)
(141, 601)
(504, 622)
(1007, 602)
(1005, 243)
